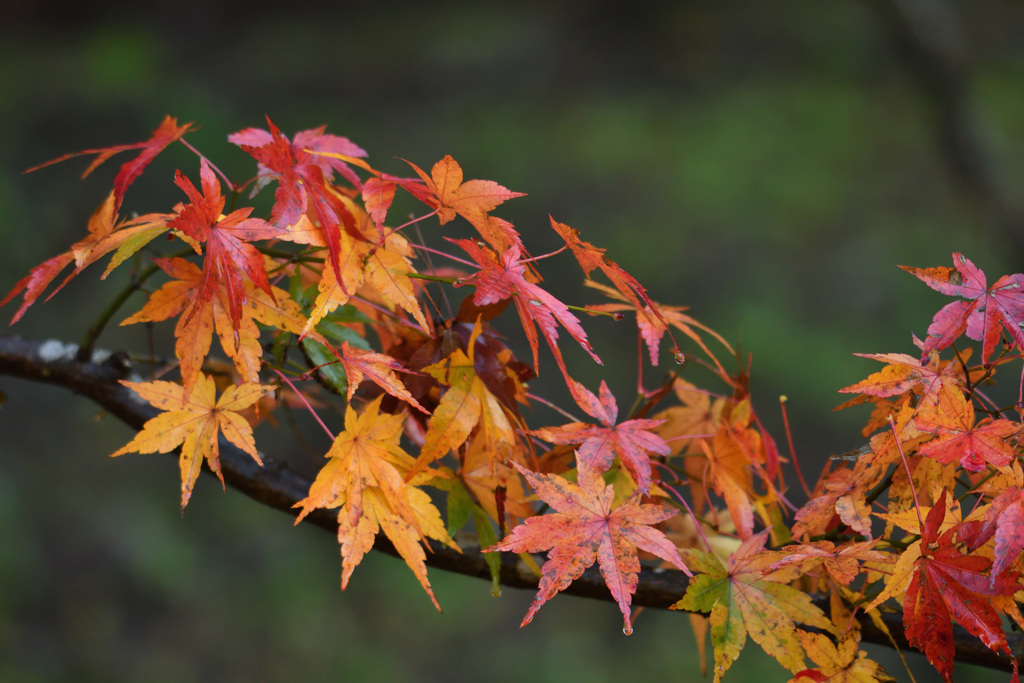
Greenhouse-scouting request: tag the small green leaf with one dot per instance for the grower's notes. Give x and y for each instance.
(487, 537)
(132, 245)
(459, 506)
(329, 370)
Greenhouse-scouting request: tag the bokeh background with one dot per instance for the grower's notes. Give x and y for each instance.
(767, 164)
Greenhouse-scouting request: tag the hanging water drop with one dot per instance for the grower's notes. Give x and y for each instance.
(627, 630)
(679, 358)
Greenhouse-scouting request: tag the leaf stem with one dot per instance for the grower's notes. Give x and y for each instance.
(906, 465)
(792, 452)
(284, 378)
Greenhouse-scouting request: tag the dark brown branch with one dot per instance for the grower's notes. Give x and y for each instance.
(279, 487)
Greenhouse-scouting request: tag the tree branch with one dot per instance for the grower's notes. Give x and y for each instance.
(277, 486)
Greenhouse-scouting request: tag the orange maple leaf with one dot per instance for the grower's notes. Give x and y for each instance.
(684, 426)
(105, 235)
(379, 368)
(194, 420)
(737, 452)
(194, 332)
(472, 200)
(841, 562)
(587, 527)
(843, 492)
(484, 477)
(365, 478)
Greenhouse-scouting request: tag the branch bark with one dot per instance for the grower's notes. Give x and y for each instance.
(279, 487)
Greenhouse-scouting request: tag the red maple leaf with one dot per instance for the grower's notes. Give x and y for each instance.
(228, 255)
(303, 184)
(168, 132)
(1004, 520)
(587, 527)
(985, 312)
(959, 438)
(949, 584)
(501, 277)
(325, 146)
(379, 368)
(630, 441)
(650, 320)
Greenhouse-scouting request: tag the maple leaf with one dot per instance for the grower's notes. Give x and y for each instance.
(748, 598)
(472, 200)
(502, 277)
(841, 562)
(302, 185)
(984, 313)
(905, 373)
(105, 235)
(387, 270)
(652, 319)
(959, 438)
(365, 478)
(194, 420)
(194, 333)
(839, 662)
(631, 440)
(228, 253)
(683, 428)
(484, 476)
(168, 132)
(587, 527)
(736, 453)
(378, 193)
(465, 406)
(947, 584)
(843, 493)
(326, 149)
(1007, 516)
(379, 368)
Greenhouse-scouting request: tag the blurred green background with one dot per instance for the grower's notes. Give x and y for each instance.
(767, 164)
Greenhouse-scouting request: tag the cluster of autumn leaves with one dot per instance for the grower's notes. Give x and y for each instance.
(325, 297)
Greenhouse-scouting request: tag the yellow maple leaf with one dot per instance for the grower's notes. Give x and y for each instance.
(194, 421)
(466, 406)
(365, 478)
(840, 662)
